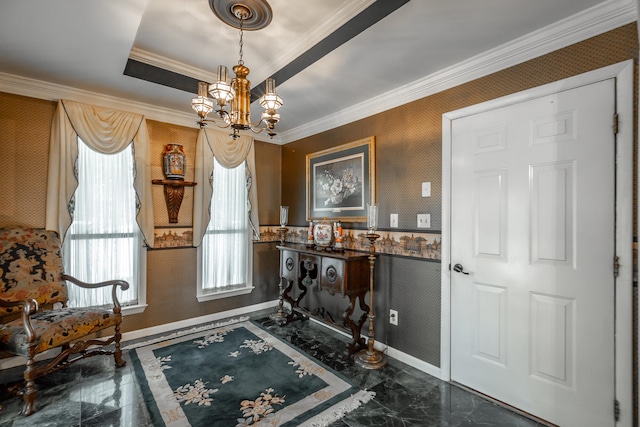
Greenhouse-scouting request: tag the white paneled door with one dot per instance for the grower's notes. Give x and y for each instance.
(532, 248)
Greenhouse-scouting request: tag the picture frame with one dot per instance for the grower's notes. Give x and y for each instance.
(173, 237)
(341, 181)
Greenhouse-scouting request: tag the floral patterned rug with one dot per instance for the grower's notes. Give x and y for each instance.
(239, 375)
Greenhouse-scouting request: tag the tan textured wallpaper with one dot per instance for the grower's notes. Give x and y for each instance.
(268, 169)
(25, 126)
(161, 134)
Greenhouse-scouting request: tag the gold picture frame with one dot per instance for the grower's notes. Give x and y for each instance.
(341, 181)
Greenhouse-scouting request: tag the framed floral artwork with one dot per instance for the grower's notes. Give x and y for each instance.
(341, 181)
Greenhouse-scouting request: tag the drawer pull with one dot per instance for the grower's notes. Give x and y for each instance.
(331, 274)
(289, 264)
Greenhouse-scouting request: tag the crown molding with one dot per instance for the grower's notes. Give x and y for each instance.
(39, 89)
(168, 64)
(581, 26)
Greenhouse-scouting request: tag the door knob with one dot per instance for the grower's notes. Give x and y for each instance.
(458, 268)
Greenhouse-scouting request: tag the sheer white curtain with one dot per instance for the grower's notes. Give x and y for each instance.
(227, 240)
(225, 214)
(104, 241)
(109, 132)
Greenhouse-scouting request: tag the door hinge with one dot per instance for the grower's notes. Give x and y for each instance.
(616, 266)
(616, 410)
(615, 124)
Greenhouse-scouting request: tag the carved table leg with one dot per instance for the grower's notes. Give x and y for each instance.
(358, 342)
(303, 286)
(281, 317)
(295, 303)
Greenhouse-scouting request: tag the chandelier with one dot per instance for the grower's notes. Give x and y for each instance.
(250, 15)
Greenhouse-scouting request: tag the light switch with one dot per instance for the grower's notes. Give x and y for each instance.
(393, 221)
(426, 189)
(424, 220)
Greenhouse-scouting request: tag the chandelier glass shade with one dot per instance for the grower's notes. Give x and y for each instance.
(236, 95)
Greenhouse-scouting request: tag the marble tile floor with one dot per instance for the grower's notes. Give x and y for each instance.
(93, 393)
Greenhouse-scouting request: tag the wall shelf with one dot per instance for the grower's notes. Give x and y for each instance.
(173, 194)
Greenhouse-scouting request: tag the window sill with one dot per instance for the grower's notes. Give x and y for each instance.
(224, 294)
(133, 309)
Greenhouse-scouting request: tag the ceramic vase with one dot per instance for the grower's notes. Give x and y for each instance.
(174, 161)
(323, 234)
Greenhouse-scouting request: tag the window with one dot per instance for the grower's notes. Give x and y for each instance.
(224, 257)
(104, 241)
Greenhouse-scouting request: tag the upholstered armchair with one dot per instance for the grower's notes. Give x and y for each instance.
(34, 316)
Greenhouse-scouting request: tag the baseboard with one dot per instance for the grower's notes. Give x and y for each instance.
(410, 360)
(392, 352)
(187, 323)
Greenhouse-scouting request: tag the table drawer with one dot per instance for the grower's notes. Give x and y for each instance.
(289, 263)
(332, 276)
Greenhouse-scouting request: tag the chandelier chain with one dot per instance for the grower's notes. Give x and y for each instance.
(241, 61)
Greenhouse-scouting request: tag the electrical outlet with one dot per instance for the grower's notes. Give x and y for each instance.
(393, 317)
(393, 220)
(424, 220)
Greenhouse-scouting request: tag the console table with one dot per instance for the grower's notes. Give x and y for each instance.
(343, 273)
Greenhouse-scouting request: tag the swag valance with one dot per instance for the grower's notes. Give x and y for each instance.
(230, 153)
(104, 130)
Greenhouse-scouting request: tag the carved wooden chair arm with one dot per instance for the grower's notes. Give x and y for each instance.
(29, 307)
(124, 285)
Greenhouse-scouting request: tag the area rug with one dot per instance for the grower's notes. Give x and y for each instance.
(239, 375)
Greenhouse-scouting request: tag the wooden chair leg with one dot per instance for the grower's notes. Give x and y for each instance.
(117, 354)
(29, 401)
(29, 393)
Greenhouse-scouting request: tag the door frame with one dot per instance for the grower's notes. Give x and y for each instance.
(623, 72)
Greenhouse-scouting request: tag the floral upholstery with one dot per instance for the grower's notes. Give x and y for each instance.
(56, 327)
(30, 267)
(31, 272)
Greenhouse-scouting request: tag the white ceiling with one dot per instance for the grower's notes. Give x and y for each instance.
(84, 45)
